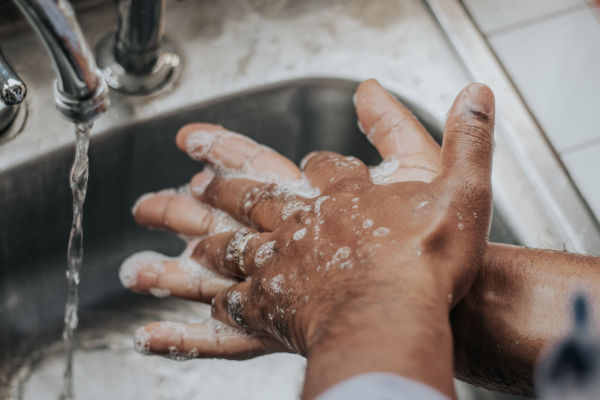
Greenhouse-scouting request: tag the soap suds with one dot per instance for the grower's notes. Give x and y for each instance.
(157, 292)
(319, 216)
(264, 253)
(199, 143)
(197, 270)
(319, 202)
(367, 223)
(198, 190)
(234, 306)
(341, 254)
(277, 283)
(133, 264)
(293, 207)
(381, 231)
(235, 245)
(299, 234)
(141, 341)
(421, 205)
(382, 174)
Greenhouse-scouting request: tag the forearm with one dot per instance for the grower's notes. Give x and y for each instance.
(519, 304)
(401, 337)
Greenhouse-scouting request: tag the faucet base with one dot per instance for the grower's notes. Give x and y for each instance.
(163, 74)
(83, 110)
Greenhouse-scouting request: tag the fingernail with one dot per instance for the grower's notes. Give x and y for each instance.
(477, 99)
(139, 201)
(198, 143)
(306, 158)
(201, 181)
(135, 264)
(141, 340)
(160, 337)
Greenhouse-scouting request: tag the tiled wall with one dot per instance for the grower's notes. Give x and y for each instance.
(551, 50)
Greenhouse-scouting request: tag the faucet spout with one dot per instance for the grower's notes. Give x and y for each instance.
(81, 93)
(12, 88)
(12, 94)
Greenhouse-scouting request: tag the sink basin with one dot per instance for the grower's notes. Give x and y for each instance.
(294, 117)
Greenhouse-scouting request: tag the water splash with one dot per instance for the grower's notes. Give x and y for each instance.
(78, 183)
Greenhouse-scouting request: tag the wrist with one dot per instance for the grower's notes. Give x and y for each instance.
(407, 336)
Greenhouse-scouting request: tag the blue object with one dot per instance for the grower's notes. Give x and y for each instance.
(571, 370)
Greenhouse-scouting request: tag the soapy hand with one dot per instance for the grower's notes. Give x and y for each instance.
(343, 243)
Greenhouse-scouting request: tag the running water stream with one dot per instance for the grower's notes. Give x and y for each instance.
(78, 183)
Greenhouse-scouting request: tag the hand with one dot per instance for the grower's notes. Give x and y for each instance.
(432, 243)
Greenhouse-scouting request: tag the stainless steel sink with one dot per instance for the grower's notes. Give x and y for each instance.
(293, 117)
(231, 47)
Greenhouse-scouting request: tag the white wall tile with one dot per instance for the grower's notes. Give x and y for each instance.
(556, 67)
(491, 15)
(584, 166)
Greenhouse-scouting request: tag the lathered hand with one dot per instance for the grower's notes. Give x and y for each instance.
(366, 249)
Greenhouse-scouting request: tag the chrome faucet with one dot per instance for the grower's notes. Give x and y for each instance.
(81, 94)
(138, 59)
(12, 94)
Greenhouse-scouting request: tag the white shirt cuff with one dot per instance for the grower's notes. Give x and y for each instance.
(381, 386)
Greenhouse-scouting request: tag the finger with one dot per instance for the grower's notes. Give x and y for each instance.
(325, 169)
(468, 137)
(154, 273)
(396, 134)
(257, 204)
(208, 339)
(235, 254)
(181, 214)
(389, 125)
(224, 149)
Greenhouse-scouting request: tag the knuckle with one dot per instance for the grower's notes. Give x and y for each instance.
(295, 210)
(213, 191)
(207, 221)
(312, 161)
(476, 190)
(319, 160)
(167, 212)
(235, 307)
(381, 123)
(477, 130)
(253, 199)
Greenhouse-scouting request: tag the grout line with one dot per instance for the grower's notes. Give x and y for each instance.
(535, 20)
(579, 146)
(591, 4)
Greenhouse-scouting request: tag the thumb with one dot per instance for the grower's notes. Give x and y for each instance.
(468, 136)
